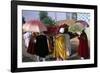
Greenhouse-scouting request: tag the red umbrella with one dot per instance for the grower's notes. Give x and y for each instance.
(52, 30)
(34, 26)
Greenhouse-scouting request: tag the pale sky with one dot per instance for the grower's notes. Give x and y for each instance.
(30, 14)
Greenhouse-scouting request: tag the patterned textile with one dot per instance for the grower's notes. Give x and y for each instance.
(84, 16)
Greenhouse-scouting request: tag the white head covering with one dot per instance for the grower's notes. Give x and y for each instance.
(61, 30)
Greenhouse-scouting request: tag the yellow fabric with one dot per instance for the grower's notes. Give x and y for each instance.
(60, 47)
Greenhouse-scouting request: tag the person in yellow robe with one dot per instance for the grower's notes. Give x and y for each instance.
(60, 51)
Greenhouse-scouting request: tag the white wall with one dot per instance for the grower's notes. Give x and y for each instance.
(5, 27)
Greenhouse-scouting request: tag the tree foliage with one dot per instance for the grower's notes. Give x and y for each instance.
(43, 14)
(46, 19)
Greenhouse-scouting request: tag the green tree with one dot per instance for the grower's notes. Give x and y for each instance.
(46, 19)
(43, 14)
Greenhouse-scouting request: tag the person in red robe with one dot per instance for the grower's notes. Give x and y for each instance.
(83, 49)
(32, 45)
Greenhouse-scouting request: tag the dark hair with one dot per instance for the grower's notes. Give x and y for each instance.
(84, 35)
(66, 29)
(72, 35)
(65, 26)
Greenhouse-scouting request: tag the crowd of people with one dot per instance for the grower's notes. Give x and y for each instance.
(64, 45)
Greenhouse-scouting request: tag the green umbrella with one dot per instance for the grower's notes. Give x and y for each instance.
(75, 28)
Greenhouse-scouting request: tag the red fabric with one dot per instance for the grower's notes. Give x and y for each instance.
(51, 30)
(83, 49)
(31, 47)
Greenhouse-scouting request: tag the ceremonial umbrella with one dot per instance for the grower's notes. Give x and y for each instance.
(82, 23)
(34, 26)
(66, 22)
(75, 28)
